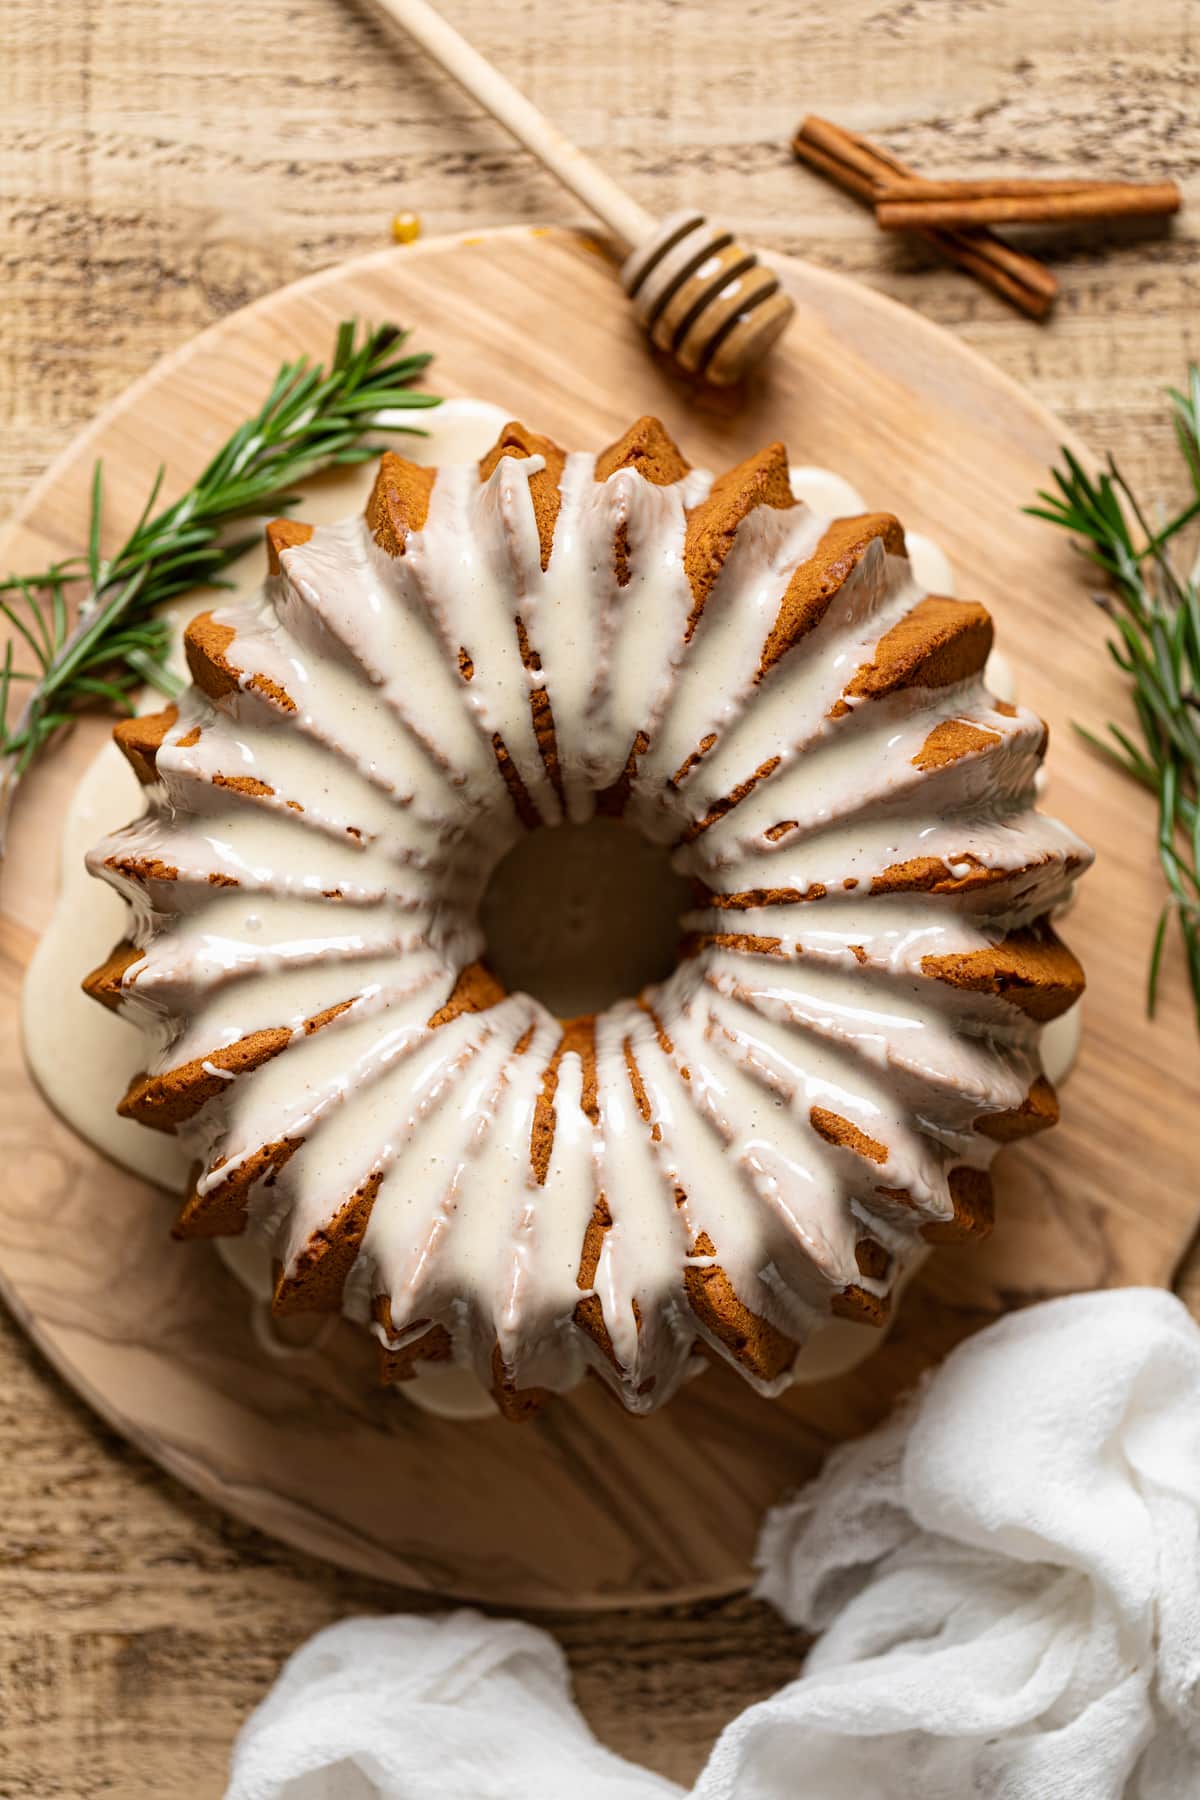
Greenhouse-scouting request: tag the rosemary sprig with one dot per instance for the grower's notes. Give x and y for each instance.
(116, 639)
(1154, 607)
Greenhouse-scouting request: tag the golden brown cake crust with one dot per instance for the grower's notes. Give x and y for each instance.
(222, 1211)
(434, 1345)
(243, 784)
(872, 1259)
(106, 982)
(612, 802)
(207, 643)
(517, 440)
(752, 1341)
(932, 875)
(860, 1306)
(284, 534)
(761, 480)
(752, 943)
(727, 802)
(939, 643)
(589, 1313)
(139, 740)
(951, 740)
(518, 793)
(974, 1208)
(476, 990)
(1037, 1112)
(657, 459)
(648, 448)
(165, 1101)
(578, 1036)
(811, 590)
(1031, 969)
(517, 1404)
(315, 1281)
(399, 502)
(846, 1135)
(145, 869)
(541, 714)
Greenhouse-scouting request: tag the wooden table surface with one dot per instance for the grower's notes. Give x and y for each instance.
(160, 165)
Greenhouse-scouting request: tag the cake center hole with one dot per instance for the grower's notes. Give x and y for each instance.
(583, 915)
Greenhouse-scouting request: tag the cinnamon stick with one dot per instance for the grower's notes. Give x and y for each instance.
(970, 249)
(1108, 200)
(863, 187)
(866, 159)
(1000, 187)
(1033, 298)
(868, 172)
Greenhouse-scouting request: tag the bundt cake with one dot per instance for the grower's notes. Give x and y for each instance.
(714, 1164)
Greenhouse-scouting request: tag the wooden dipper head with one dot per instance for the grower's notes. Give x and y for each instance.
(705, 299)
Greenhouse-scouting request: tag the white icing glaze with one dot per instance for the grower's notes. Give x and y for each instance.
(367, 900)
(931, 571)
(449, 1390)
(1060, 1044)
(81, 1056)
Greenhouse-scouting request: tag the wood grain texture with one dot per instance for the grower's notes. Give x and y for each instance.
(580, 1506)
(155, 173)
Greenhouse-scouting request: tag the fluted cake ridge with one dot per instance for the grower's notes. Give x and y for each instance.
(718, 1162)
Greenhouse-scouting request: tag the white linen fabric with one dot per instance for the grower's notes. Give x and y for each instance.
(1005, 1577)
(429, 1709)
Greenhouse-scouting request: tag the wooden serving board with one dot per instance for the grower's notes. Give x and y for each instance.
(585, 1505)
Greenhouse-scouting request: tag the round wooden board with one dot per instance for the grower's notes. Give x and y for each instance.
(585, 1505)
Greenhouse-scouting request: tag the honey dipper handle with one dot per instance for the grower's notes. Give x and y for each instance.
(601, 195)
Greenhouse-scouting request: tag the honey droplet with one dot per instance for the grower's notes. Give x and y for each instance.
(406, 228)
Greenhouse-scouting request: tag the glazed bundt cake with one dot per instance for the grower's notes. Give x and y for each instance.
(714, 1164)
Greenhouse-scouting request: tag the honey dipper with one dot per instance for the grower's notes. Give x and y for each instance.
(701, 297)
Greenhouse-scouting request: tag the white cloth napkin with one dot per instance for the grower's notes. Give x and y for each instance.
(459, 1708)
(1006, 1577)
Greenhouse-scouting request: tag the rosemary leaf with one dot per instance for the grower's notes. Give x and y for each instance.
(312, 418)
(1160, 938)
(1154, 609)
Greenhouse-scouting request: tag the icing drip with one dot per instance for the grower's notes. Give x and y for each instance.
(772, 1132)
